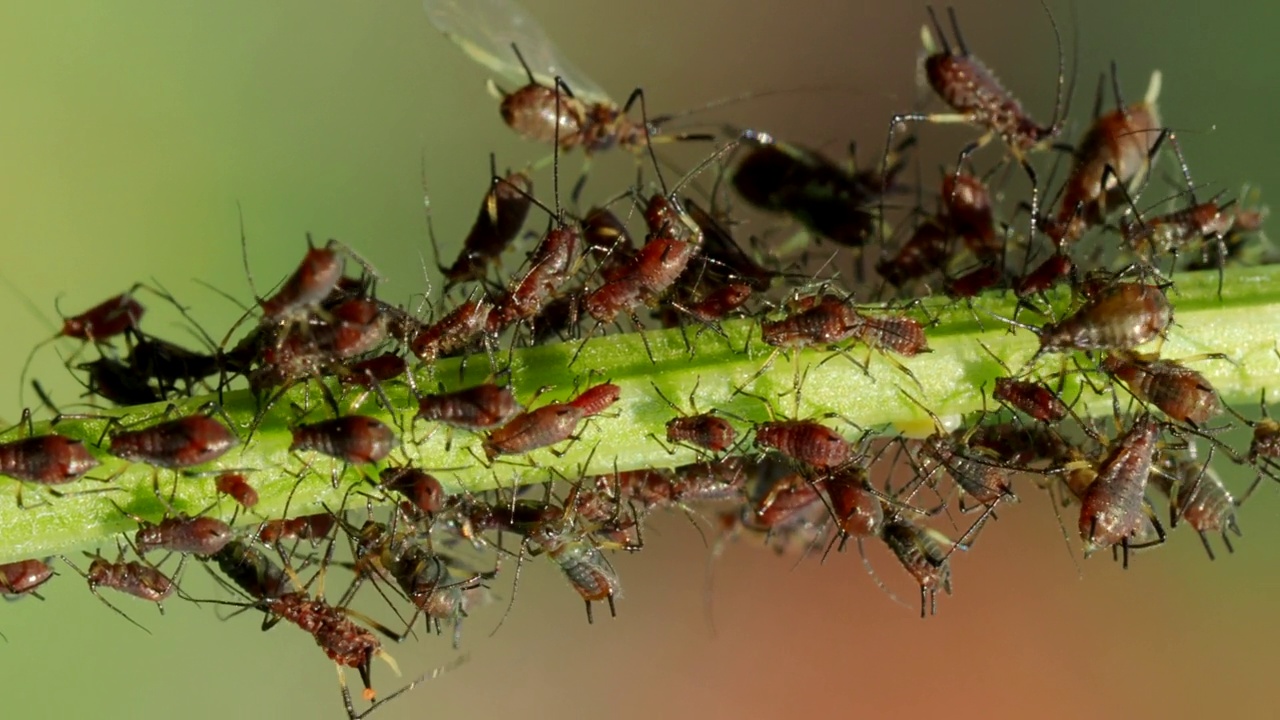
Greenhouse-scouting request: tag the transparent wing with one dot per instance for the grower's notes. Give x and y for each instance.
(485, 30)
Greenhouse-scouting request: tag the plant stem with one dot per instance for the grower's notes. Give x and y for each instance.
(697, 362)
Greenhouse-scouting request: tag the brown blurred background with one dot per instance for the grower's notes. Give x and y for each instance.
(131, 130)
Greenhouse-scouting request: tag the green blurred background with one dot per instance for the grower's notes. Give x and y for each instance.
(131, 130)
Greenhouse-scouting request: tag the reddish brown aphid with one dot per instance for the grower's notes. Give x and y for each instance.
(966, 206)
(180, 443)
(534, 429)
(380, 369)
(501, 216)
(604, 234)
(476, 408)
(706, 430)
(550, 266)
(1196, 494)
(46, 459)
(453, 333)
(24, 576)
(824, 320)
(1032, 398)
(806, 442)
(1113, 507)
(925, 251)
(981, 478)
(1120, 316)
(308, 286)
(924, 553)
(199, 535)
(1179, 392)
(105, 320)
(718, 303)
(420, 488)
(1116, 151)
(345, 642)
(357, 439)
(308, 527)
(897, 334)
(237, 487)
(652, 271)
(783, 503)
(984, 277)
(596, 399)
(855, 505)
(1056, 268)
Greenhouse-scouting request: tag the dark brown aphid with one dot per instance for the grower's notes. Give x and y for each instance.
(180, 443)
(117, 382)
(855, 505)
(982, 278)
(475, 408)
(1120, 316)
(966, 204)
(237, 487)
(46, 459)
(1196, 494)
(1178, 391)
(501, 216)
(705, 430)
(357, 439)
(717, 304)
(169, 364)
(897, 334)
(23, 577)
(1113, 509)
(418, 487)
(1116, 151)
(317, 276)
(927, 250)
(251, 570)
(806, 442)
(924, 553)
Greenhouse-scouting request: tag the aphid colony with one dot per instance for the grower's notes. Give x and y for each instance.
(798, 483)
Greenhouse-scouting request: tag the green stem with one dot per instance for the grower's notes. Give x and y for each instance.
(949, 380)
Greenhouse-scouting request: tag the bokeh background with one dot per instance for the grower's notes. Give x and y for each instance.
(131, 130)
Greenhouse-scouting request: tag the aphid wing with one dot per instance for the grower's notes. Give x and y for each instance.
(485, 30)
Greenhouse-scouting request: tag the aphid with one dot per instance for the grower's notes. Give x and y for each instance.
(132, 578)
(984, 277)
(1054, 269)
(317, 276)
(103, 321)
(596, 399)
(1121, 316)
(357, 439)
(927, 250)
(823, 320)
(855, 505)
(46, 459)
(550, 266)
(307, 527)
(118, 383)
(199, 535)
(717, 304)
(251, 570)
(181, 443)
(420, 488)
(1031, 397)
(806, 442)
(558, 104)
(582, 563)
(475, 408)
(924, 553)
(534, 429)
(378, 369)
(1178, 391)
(453, 333)
(501, 216)
(549, 424)
(726, 257)
(1196, 494)
(1116, 151)
(707, 431)
(603, 234)
(897, 334)
(169, 364)
(237, 487)
(1264, 447)
(24, 577)
(1114, 509)
(966, 205)
(977, 98)
(649, 274)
